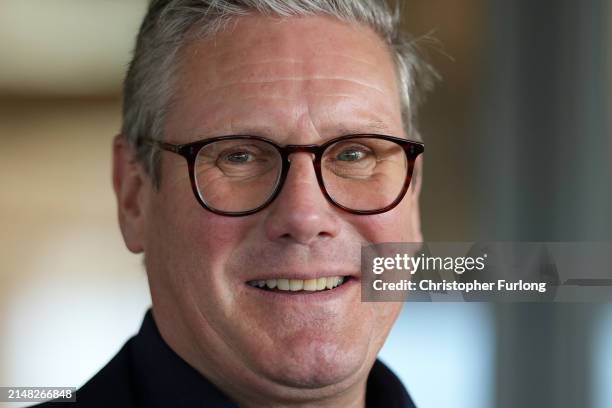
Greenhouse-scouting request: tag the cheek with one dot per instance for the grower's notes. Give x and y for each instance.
(385, 314)
(392, 226)
(192, 225)
(185, 242)
(207, 233)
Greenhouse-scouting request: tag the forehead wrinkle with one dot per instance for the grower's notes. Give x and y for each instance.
(236, 62)
(234, 67)
(273, 97)
(295, 61)
(313, 68)
(306, 79)
(278, 97)
(346, 56)
(330, 114)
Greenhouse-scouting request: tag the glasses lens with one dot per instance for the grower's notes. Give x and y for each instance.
(237, 175)
(364, 174)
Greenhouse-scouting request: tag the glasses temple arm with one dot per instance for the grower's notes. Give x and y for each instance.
(162, 145)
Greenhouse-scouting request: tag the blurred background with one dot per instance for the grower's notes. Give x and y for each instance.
(518, 148)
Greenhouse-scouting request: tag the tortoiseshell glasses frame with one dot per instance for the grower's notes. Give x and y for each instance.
(190, 151)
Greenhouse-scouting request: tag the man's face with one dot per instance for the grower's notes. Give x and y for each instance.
(295, 81)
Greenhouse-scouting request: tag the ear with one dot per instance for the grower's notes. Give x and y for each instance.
(414, 192)
(129, 184)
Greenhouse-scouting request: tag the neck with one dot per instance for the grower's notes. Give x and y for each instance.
(354, 398)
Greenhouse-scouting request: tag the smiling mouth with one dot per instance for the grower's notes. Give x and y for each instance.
(299, 285)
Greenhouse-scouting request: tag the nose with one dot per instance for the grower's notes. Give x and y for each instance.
(300, 213)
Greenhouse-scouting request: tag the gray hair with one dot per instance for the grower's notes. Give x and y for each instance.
(149, 82)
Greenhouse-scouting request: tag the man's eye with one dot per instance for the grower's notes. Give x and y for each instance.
(351, 155)
(239, 157)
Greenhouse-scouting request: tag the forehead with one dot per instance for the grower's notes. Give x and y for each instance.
(283, 76)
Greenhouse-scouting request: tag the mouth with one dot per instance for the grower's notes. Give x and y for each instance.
(300, 285)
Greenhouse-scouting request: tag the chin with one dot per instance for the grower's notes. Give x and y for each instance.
(314, 364)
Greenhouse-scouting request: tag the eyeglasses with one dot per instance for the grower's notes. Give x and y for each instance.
(240, 175)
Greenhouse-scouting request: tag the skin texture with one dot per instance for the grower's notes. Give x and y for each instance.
(296, 81)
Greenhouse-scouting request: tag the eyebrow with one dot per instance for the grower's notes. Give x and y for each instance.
(342, 129)
(371, 126)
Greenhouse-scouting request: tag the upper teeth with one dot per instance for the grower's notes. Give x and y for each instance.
(295, 285)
